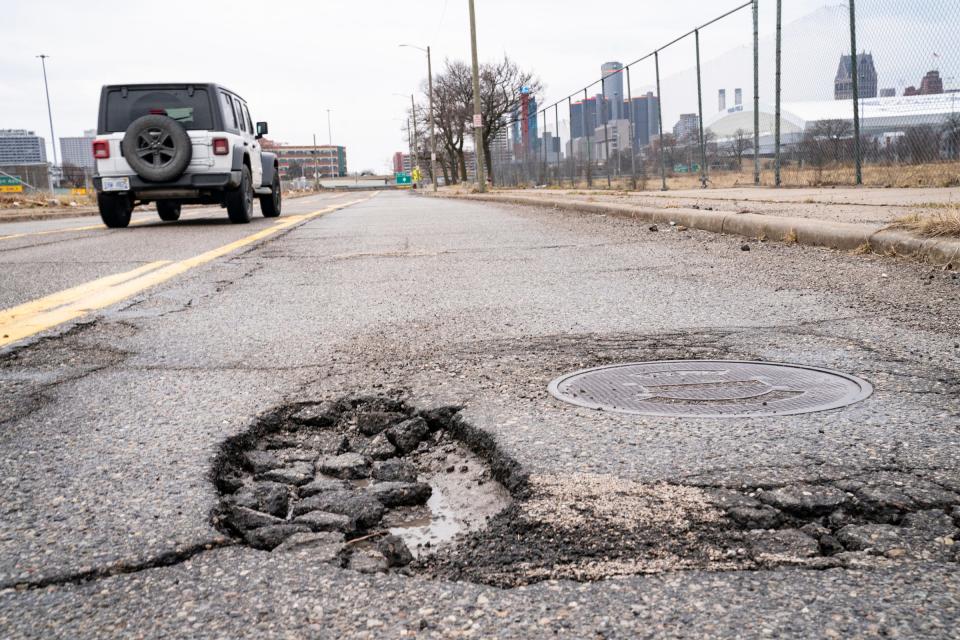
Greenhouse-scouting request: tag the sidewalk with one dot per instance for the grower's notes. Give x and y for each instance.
(842, 218)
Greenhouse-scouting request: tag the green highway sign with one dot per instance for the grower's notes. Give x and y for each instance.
(8, 181)
(403, 178)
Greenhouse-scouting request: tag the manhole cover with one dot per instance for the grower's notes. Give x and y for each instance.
(710, 388)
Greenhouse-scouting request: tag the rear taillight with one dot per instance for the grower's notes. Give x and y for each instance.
(221, 146)
(101, 149)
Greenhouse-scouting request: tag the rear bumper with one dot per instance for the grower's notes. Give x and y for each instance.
(187, 184)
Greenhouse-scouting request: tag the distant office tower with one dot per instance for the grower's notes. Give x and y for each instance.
(612, 74)
(19, 146)
(583, 113)
(525, 137)
(687, 127)
(888, 93)
(78, 151)
(931, 84)
(723, 99)
(645, 122)
(738, 97)
(866, 77)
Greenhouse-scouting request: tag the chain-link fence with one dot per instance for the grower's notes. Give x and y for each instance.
(769, 106)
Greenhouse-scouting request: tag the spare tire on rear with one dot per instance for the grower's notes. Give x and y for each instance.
(158, 148)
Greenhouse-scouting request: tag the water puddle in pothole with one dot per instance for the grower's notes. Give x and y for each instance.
(463, 500)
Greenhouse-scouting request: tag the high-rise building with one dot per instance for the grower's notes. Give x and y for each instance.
(866, 77)
(687, 127)
(613, 95)
(329, 161)
(530, 142)
(723, 99)
(78, 151)
(19, 146)
(738, 97)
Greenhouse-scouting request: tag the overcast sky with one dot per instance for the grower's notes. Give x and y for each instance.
(293, 60)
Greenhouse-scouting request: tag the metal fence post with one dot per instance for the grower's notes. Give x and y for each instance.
(776, 142)
(756, 92)
(543, 143)
(573, 155)
(703, 142)
(556, 128)
(601, 109)
(855, 72)
(633, 134)
(663, 157)
(589, 172)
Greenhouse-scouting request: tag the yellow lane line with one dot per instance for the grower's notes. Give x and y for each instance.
(45, 313)
(94, 227)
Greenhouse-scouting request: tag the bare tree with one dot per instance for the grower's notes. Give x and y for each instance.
(452, 109)
(738, 145)
(500, 97)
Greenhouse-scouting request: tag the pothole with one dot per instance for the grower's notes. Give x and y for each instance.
(366, 483)
(373, 484)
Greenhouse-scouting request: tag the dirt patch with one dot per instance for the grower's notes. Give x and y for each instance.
(586, 528)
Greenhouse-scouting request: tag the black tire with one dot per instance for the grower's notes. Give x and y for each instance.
(115, 209)
(240, 200)
(158, 148)
(168, 210)
(270, 204)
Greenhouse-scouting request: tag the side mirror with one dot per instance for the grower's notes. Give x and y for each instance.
(262, 129)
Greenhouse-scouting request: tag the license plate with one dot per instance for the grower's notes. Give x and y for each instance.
(116, 184)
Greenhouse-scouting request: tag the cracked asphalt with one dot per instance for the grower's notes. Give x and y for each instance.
(108, 428)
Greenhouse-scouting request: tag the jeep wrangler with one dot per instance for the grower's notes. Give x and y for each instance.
(176, 144)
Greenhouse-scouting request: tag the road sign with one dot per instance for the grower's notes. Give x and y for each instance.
(403, 178)
(9, 181)
(417, 174)
(477, 120)
(11, 188)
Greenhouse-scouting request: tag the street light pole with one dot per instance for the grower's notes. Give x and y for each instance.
(477, 105)
(53, 140)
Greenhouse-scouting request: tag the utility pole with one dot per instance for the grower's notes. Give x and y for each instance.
(477, 105)
(415, 160)
(329, 130)
(53, 140)
(433, 133)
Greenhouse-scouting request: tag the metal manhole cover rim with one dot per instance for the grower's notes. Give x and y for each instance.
(865, 390)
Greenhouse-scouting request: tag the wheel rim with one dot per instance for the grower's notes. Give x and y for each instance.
(276, 194)
(155, 147)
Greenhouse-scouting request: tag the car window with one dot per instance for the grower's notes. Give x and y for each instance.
(241, 126)
(191, 108)
(247, 114)
(229, 117)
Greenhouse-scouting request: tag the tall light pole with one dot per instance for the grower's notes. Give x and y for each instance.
(477, 105)
(53, 140)
(433, 133)
(329, 130)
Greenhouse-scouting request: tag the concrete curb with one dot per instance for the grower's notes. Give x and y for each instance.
(843, 236)
(40, 213)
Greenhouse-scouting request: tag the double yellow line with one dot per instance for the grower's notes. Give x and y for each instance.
(44, 313)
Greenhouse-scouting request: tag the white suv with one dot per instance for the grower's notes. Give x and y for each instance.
(177, 144)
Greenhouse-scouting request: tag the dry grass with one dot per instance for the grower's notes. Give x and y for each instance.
(934, 225)
(942, 174)
(790, 237)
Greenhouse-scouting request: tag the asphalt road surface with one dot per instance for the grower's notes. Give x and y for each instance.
(112, 412)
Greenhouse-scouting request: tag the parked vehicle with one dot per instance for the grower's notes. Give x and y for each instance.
(176, 144)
